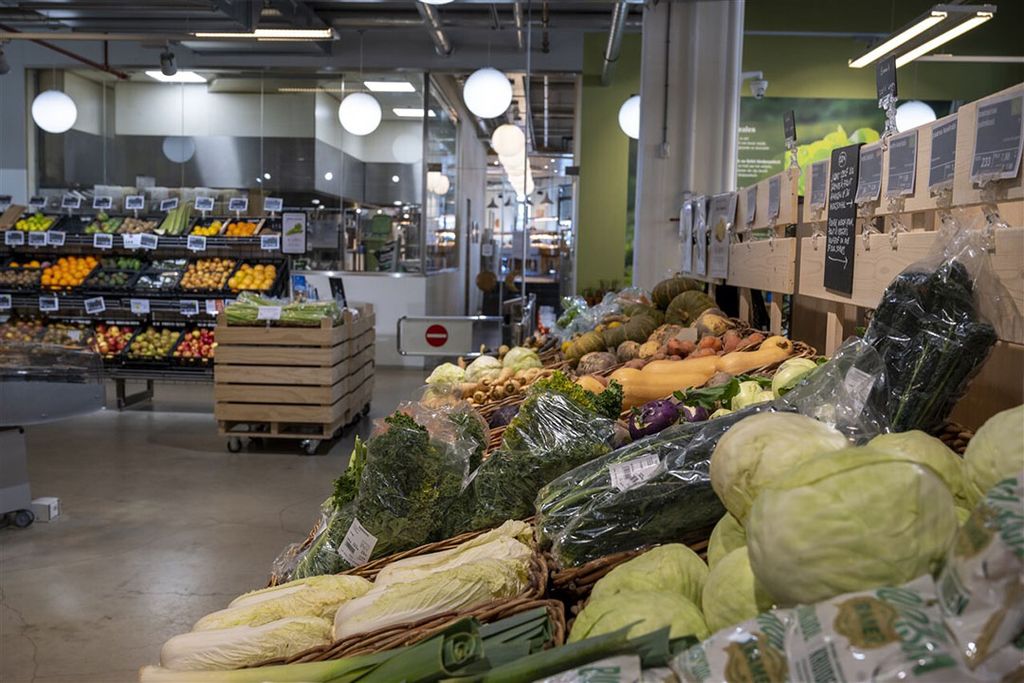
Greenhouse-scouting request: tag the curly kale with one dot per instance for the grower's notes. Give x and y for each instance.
(471, 428)
(347, 485)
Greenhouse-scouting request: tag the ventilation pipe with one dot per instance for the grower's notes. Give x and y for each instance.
(614, 46)
(442, 43)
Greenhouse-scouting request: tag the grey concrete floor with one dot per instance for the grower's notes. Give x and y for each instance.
(159, 526)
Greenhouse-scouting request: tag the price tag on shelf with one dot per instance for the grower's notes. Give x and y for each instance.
(196, 242)
(14, 238)
(95, 305)
(238, 204)
(789, 126)
(885, 78)
(49, 304)
(101, 241)
(998, 140)
(135, 202)
(631, 473)
(54, 238)
(774, 196)
(943, 158)
(819, 184)
(149, 242)
(869, 184)
(358, 544)
(37, 203)
(5, 302)
(102, 203)
(169, 204)
(268, 312)
(212, 308)
(751, 204)
(188, 307)
(204, 204)
(131, 241)
(139, 306)
(37, 239)
(270, 242)
(70, 201)
(5, 201)
(273, 204)
(902, 164)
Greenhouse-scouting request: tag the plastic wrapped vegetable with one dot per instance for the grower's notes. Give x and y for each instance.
(560, 425)
(521, 358)
(790, 373)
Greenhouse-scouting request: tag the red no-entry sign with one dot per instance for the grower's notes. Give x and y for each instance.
(437, 335)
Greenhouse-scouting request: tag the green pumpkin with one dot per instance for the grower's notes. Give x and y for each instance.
(687, 307)
(667, 290)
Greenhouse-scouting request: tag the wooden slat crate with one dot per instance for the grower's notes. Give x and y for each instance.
(294, 382)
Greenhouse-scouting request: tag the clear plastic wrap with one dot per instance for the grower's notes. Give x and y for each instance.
(557, 428)
(658, 489)
(935, 326)
(578, 318)
(397, 489)
(246, 311)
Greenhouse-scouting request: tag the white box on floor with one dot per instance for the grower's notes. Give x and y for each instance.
(46, 509)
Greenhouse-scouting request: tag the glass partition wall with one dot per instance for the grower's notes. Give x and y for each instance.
(377, 202)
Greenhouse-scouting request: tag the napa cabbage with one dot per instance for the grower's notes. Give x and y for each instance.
(242, 646)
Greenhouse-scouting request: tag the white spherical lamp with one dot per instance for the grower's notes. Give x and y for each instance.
(441, 185)
(54, 111)
(508, 140)
(629, 117)
(436, 2)
(179, 148)
(913, 114)
(514, 163)
(407, 148)
(359, 113)
(487, 93)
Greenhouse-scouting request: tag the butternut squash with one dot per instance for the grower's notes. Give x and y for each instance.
(685, 366)
(644, 387)
(772, 350)
(624, 374)
(591, 383)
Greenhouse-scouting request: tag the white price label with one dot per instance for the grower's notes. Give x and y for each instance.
(70, 201)
(632, 473)
(858, 387)
(139, 306)
(55, 238)
(37, 239)
(189, 307)
(270, 242)
(5, 302)
(131, 241)
(49, 304)
(100, 241)
(239, 204)
(197, 242)
(204, 203)
(272, 204)
(357, 546)
(150, 242)
(102, 203)
(135, 202)
(268, 312)
(37, 203)
(95, 305)
(211, 307)
(169, 204)
(14, 238)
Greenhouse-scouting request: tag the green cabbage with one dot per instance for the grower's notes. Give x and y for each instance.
(790, 374)
(962, 515)
(749, 394)
(462, 587)
(446, 373)
(927, 450)
(317, 596)
(241, 646)
(671, 568)
(995, 453)
(846, 521)
(484, 367)
(731, 594)
(762, 447)
(521, 358)
(647, 611)
(727, 535)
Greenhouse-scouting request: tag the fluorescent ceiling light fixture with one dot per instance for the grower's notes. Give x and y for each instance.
(926, 47)
(311, 90)
(179, 77)
(274, 34)
(389, 86)
(916, 29)
(412, 112)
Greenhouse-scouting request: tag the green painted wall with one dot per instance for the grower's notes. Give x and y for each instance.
(603, 186)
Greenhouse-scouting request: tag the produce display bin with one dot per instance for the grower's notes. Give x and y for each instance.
(293, 382)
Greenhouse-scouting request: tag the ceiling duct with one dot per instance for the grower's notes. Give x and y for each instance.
(442, 43)
(614, 46)
(517, 14)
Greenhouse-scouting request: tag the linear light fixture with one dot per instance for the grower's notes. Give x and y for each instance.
(389, 86)
(916, 29)
(274, 34)
(178, 77)
(412, 112)
(926, 47)
(310, 90)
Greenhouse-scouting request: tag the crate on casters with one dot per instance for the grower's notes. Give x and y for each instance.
(302, 383)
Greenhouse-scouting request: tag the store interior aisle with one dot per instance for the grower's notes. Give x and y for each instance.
(159, 526)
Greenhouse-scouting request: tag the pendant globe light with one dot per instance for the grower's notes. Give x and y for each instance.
(508, 140)
(54, 111)
(436, 2)
(359, 113)
(629, 117)
(913, 114)
(487, 93)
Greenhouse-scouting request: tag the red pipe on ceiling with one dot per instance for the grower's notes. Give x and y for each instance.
(68, 53)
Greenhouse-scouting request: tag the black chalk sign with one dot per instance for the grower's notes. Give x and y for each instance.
(885, 77)
(999, 140)
(870, 175)
(842, 219)
(902, 164)
(789, 126)
(943, 158)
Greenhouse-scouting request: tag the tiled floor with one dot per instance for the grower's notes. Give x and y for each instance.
(160, 525)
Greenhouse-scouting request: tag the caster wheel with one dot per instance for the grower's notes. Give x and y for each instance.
(23, 518)
(234, 444)
(310, 446)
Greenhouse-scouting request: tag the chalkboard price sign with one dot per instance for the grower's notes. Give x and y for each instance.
(943, 159)
(789, 126)
(819, 184)
(999, 139)
(842, 219)
(885, 78)
(751, 204)
(902, 164)
(774, 196)
(869, 184)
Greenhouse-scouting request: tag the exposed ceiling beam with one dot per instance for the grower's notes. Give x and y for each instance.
(432, 19)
